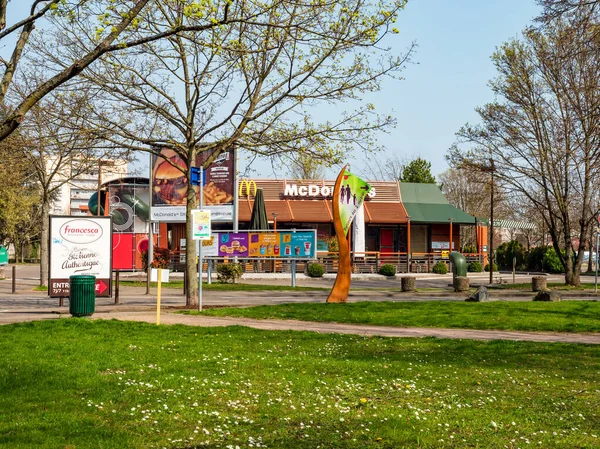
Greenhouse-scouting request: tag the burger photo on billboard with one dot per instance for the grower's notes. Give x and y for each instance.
(170, 182)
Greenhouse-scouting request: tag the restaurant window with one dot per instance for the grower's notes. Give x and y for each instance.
(418, 239)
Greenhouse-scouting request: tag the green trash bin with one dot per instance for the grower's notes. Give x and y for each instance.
(82, 297)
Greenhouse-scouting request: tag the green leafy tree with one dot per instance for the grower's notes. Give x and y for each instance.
(417, 170)
(104, 25)
(254, 85)
(19, 198)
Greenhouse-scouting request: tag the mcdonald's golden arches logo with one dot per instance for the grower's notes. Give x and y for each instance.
(247, 188)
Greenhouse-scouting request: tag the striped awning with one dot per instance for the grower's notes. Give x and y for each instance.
(513, 224)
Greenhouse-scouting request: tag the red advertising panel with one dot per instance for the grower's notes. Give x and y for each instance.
(123, 251)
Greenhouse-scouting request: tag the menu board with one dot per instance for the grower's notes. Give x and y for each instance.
(234, 244)
(298, 244)
(260, 245)
(264, 244)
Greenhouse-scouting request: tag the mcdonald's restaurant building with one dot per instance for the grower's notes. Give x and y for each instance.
(411, 225)
(397, 219)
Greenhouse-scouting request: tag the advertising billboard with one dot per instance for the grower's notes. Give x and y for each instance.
(260, 245)
(80, 246)
(170, 184)
(130, 208)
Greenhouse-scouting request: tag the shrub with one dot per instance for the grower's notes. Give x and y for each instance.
(162, 257)
(229, 272)
(544, 258)
(551, 262)
(387, 270)
(487, 267)
(315, 270)
(475, 267)
(469, 249)
(440, 268)
(509, 250)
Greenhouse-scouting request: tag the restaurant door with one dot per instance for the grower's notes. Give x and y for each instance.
(386, 242)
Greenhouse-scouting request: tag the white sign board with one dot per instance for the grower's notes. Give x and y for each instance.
(80, 246)
(201, 224)
(164, 275)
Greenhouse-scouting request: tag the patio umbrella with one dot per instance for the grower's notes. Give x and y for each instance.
(258, 220)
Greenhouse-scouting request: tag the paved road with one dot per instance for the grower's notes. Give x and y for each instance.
(30, 274)
(29, 305)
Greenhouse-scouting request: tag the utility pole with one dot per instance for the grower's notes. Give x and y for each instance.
(491, 245)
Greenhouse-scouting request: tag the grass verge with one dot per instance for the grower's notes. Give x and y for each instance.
(88, 384)
(565, 316)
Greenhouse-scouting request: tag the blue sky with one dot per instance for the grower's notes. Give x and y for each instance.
(439, 94)
(448, 79)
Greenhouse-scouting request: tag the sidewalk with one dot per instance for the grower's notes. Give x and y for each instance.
(170, 317)
(135, 305)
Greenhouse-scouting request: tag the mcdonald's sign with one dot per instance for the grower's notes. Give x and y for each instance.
(247, 188)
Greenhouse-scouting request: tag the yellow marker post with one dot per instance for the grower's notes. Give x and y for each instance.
(158, 297)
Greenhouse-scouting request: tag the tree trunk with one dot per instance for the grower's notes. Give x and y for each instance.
(44, 236)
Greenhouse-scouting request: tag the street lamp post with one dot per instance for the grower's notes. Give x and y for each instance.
(491, 245)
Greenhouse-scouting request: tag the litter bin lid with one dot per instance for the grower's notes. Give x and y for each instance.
(82, 276)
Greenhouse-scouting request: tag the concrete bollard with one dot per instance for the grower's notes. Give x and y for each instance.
(407, 283)
(538, 283)
(461, 283)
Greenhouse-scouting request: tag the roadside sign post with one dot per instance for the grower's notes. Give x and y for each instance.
(201, 230)
(596, 275)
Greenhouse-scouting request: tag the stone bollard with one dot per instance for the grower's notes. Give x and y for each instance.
(461, 284)
(538, 283)
(547, 296)
(407, 283)
(481, 295)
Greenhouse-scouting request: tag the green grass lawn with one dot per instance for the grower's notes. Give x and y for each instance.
(565, 316)
(75, 383)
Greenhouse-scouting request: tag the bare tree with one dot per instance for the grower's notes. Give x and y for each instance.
(302, 166)
(58, 146)
(542, 132)
(251, 86)
(383, 166)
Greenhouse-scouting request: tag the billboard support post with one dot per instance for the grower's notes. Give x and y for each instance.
(200, 243)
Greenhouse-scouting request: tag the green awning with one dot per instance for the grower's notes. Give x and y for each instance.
(425, 203)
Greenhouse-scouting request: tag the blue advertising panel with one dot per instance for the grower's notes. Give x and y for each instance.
(298, 245)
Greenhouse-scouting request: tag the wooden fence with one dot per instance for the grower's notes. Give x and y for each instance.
(365, 262)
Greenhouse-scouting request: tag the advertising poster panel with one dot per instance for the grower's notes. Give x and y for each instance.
(299, 244)
(264, 244)
(80, 246)
(210, 247)
(353, 191)
(201, 224)
(130, 208)
(232, 244)
(169, 185)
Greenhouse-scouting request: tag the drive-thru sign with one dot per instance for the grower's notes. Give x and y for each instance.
(80, 245)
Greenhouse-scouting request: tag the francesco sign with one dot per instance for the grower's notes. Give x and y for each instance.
(80, 246)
